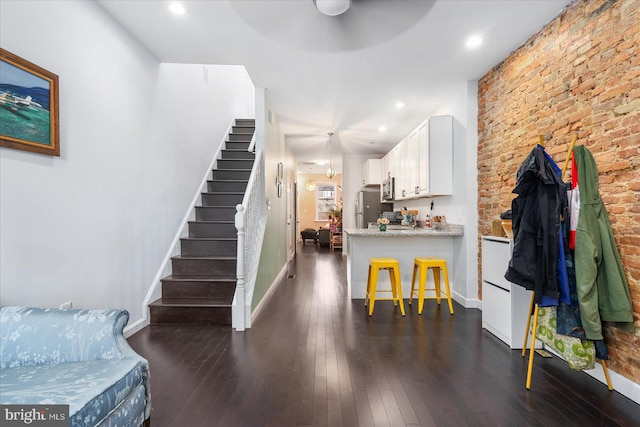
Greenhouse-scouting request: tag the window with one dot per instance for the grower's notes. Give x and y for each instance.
(325, 201)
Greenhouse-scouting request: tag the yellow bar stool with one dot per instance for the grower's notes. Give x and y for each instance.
(423, 265)
(393, 267)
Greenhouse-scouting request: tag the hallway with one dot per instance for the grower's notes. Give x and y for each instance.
(314, 358)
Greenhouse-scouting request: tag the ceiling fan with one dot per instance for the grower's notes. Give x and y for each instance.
(332, 7)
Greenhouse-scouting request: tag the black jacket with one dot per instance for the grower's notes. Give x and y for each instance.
(536, 221)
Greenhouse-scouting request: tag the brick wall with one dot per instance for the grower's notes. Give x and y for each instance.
(580, 74)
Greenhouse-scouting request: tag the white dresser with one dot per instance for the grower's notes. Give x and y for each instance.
(504, 304)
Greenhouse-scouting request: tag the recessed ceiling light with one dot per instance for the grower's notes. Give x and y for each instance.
(473, 42)
(399, 104)
(321, 162)
(177, 8)
(382, 128)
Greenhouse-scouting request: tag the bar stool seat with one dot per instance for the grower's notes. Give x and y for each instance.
(393, 267)
(437, 265)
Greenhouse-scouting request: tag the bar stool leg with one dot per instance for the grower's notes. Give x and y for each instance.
(394, 288)
(372, 289)
(424, 272)
(413, 281)
(366, 297)
(446, 283)
(436, 280)
(397, 285)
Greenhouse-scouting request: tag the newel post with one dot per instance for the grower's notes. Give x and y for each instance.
(240, 271)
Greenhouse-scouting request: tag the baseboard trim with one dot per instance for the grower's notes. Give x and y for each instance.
(466, 302)
(621, 384)
(267, 296)
(135, 327)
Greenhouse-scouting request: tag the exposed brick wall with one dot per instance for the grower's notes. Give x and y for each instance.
(581, 73)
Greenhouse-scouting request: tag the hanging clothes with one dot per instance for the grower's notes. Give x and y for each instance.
(603, 292)
(574, 202)
(536, 226)
(569, 321)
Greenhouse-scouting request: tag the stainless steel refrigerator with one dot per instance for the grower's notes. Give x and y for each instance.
(368, 206)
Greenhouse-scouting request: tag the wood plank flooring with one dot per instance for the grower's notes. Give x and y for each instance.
(314, 358)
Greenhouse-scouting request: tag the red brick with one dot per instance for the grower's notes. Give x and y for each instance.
(580, 73)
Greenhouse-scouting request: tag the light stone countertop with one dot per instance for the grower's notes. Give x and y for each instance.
(453, 230)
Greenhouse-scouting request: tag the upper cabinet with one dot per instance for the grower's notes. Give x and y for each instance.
(372, 172)
(425, 163)
(436, 157)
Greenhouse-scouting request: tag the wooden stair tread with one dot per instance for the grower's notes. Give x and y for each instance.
(192, 302)
(202, 278)
(212, 239)
(237, 193)
(212, 221)
(213, 257)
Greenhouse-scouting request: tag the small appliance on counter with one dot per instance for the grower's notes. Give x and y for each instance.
(394, 217)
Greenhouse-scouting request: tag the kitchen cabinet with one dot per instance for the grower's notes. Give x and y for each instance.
(504, 304)
(391, 167)
(407, 177)
(435, 157)
(372, 173)
(422, 163)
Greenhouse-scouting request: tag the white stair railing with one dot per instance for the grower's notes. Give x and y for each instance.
(250, 222)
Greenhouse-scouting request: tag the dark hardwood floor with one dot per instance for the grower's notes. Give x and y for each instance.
(314, 358)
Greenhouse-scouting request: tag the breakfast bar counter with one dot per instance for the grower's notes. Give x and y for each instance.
(403, 244)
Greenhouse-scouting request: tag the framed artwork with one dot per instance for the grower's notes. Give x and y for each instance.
(280, 179)
(28, 106)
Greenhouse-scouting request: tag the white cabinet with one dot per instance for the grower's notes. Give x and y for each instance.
(435, 157)
(395, 169)
(504, 305)
(422, 163)
(372, 172)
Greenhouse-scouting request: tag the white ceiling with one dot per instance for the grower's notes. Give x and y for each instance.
(341, 74)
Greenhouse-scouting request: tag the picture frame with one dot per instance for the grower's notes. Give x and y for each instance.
(29, 114)
(280, 179)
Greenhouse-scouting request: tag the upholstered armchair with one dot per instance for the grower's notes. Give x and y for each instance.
(78, 358)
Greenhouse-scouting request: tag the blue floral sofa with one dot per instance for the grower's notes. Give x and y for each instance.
(77, 358)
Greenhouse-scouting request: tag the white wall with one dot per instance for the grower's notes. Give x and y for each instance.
(461, 208)
(276, 245)
(93, 225)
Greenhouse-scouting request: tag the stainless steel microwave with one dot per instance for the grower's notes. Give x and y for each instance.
(388, 189)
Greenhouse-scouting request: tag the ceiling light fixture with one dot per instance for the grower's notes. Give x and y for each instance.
(310, 185)
(177, 8)
(399, 104)
(332, 7)
(473, 42)
(382, 128)
(331, 172)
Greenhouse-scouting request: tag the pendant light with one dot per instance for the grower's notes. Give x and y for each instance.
(331, 172)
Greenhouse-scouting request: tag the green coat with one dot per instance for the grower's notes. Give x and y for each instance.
(603, 292)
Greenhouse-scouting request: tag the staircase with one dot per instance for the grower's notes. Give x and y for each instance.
(203, 280)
